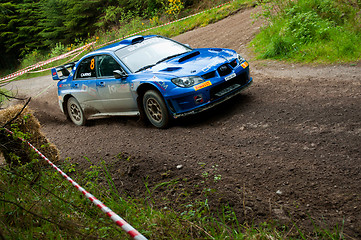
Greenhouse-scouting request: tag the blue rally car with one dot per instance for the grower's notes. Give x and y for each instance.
(152, 76)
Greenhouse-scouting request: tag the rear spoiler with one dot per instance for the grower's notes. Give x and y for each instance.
(62, 72)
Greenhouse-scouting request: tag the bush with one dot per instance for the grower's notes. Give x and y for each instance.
(58, 50)
(278, 47)
(316, 30)
(28, 127)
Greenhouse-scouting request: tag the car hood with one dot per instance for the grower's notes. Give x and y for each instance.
(197, 62)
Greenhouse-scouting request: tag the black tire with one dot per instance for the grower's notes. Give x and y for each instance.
(155, 109)
(75, 112)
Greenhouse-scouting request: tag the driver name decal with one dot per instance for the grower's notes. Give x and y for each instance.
(85, 74)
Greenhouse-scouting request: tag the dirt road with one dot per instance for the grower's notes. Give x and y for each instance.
(288, 148)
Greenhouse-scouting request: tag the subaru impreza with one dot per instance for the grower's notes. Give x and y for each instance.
(151, 76)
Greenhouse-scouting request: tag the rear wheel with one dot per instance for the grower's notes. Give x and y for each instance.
(155, 109)
(75, 112)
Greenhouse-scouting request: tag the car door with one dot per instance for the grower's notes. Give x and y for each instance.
(83, 87)
(115, 94)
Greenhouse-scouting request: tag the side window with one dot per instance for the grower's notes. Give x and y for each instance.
(86, 68)
(106, 65)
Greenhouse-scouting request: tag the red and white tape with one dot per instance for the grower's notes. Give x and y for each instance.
(118, 220)
(40, 64)
(70, 60)
(16, 74)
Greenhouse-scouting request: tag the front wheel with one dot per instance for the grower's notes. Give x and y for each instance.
(75, 112)
(155, 109)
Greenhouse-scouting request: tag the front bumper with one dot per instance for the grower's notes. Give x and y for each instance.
(213, 103)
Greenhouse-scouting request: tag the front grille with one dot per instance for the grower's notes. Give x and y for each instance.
(209, 75)
(224, 70)
(227, 87)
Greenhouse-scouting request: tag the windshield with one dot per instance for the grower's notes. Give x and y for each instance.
(149, 53)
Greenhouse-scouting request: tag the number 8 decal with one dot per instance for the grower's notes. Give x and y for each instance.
(92, 64)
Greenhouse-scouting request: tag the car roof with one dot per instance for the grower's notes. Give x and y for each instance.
(126, 42)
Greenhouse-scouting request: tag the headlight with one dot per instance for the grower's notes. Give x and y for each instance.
(187, 81)
(240, 58)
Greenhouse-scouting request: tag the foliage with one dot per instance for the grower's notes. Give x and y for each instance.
(174, 29)
(173, 7)
(317, 30)
(5, 95)
(110, 17)
(32, 57)
(128, 22)
(18, 27)
(27, 26)
(58, 50)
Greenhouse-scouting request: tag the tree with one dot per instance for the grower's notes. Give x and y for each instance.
(53, 16)
(7, 32)
(19, 30)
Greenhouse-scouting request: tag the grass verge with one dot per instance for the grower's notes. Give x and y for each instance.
(321, 31)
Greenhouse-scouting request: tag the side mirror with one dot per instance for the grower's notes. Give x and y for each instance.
(118, 74)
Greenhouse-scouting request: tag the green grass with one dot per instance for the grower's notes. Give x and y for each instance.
(321, 31)
(49, 207)
(3, 94)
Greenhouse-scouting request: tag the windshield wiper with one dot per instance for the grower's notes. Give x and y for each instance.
(169, 57)
(145, 67)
